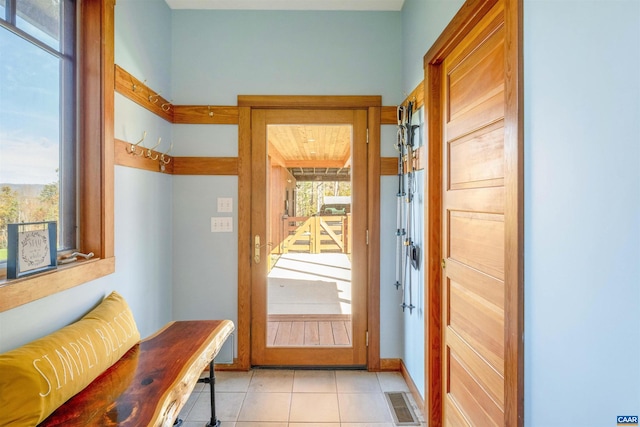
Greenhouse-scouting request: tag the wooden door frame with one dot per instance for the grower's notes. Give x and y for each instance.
(469, 15)
(373, 106)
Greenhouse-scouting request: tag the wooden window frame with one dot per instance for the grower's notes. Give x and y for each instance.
(95, 88)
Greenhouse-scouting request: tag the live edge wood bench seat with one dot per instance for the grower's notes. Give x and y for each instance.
(149, 385)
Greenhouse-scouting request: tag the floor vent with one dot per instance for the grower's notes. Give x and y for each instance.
(401, 410)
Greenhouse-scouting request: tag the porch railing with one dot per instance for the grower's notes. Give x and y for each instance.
(315, 234)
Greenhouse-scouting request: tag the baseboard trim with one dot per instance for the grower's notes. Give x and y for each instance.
(390, 365)
(235, 366)
(412, 387)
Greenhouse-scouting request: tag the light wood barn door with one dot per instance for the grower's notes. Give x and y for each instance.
(473, 226)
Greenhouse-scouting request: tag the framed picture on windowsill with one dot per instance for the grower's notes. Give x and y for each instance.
(31, 248)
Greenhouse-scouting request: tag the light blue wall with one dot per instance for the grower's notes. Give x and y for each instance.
(218, 55)
(143, 199)
(143, 42)
(422, 23)
(143, 48)
(414, 320)
(582, 212)
(392, 327)
(143, 208)
(205, 140)
(205, 276)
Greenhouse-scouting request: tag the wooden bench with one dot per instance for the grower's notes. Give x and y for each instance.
(150, 384)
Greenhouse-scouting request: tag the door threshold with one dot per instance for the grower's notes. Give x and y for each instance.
(312, 368)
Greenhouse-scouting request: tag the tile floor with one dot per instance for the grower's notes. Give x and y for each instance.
(297, 398)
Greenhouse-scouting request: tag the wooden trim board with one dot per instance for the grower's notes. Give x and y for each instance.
(390, 365)
(22, 291)
(389, 165)
(373, 221)
(514, 213)
(124, 157)
(389, 114)
(309, 101)
(205, 166)
(137, 91)
(205, 114)
(244, 238)
(176, 165)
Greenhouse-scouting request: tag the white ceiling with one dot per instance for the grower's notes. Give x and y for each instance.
(381, 5)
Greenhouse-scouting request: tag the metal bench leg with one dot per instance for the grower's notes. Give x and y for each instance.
(215, 422)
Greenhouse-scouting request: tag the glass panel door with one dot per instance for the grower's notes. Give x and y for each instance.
(309, 253)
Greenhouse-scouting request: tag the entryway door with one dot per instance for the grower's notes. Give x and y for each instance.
(308, 257)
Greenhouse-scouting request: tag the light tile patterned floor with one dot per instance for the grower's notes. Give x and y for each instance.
(297, 398)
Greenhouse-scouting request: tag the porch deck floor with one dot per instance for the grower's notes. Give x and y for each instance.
(310, 284)
(309, 301)
(305, 333)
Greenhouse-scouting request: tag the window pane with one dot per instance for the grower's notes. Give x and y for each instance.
(41, 19)
(3, 10)
(29, 134)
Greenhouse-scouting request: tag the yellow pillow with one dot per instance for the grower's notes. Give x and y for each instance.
(38, 377)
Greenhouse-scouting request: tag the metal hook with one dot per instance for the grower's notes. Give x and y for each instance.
(156, 96)
(149, 150)
(133, 148)
(168, 105)
(210, 112)
(133, 85)
(168, 159)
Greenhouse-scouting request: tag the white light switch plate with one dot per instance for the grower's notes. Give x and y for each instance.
(225, 204)
(221, 224)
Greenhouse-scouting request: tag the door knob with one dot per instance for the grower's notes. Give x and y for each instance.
(256, 248)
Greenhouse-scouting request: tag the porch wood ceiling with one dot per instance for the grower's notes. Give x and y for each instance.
(310, 146)
(312, 152)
